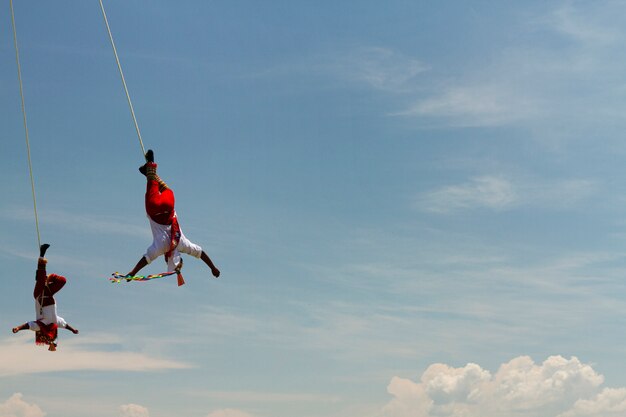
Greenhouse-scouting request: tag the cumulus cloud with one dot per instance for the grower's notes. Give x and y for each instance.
(521, 388)
(229, 412)
(15, 406)
(609, 403)
(133, 410)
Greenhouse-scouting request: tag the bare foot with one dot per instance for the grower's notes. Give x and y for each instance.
(16, 329)
(53, 347)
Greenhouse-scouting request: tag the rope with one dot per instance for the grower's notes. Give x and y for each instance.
(30, 164)
(119, 66)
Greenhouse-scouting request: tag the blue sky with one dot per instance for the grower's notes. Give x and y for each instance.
(417, 208)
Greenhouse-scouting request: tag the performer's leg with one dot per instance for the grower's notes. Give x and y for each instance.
(190, 248)
(65, 325)
(159, 197)
(56, 282)
(71, 329)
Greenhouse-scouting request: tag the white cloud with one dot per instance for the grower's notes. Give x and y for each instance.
(519, 388)
(498, 193)
(537, 85)
(19, 355)
(133, 410)
(384, 69)
(481, 104)
(15, 406)
(380, 68)
(480, 192)
(228, 412)
(85, 223)
(608, 403)
(268, 397)
(589, 26)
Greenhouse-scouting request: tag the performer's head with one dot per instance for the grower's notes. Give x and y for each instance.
(46, 335)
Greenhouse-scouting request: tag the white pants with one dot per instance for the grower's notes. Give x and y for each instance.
(161, 239)
(47, 315)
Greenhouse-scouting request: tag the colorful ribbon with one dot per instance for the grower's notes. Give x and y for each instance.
(116, 277)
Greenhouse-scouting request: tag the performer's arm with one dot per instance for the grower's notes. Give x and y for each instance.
(210, 264)
(142, 262)
(70, 328)
(20, 327)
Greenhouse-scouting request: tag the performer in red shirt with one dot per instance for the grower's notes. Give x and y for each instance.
(168, 238)
(47, 323)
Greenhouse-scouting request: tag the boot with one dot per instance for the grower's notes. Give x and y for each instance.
(149, 159)
(42, 249)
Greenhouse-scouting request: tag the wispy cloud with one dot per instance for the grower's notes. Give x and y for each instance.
(20, 356)
(481, 192)
(499, 193)
(381, 68)
(229, 412)
(268, 397)
(82, 222)
(524, 83)
(547, 85)
(594, 25)
(480, 104)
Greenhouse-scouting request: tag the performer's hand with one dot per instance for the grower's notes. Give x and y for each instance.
(179, 266)
(16, 329)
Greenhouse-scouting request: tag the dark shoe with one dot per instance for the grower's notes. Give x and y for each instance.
(42, 249)
(150, 155)
(142, 169)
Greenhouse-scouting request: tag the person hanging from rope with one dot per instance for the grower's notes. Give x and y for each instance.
(167, 237)
(48, 322)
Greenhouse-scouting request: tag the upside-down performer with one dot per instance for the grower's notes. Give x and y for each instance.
(167, 237)
(48, 322)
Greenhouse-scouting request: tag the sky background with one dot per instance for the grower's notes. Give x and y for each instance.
(418, 208)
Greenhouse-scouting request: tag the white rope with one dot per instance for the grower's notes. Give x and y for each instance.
(30, 164)
(119, 66)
